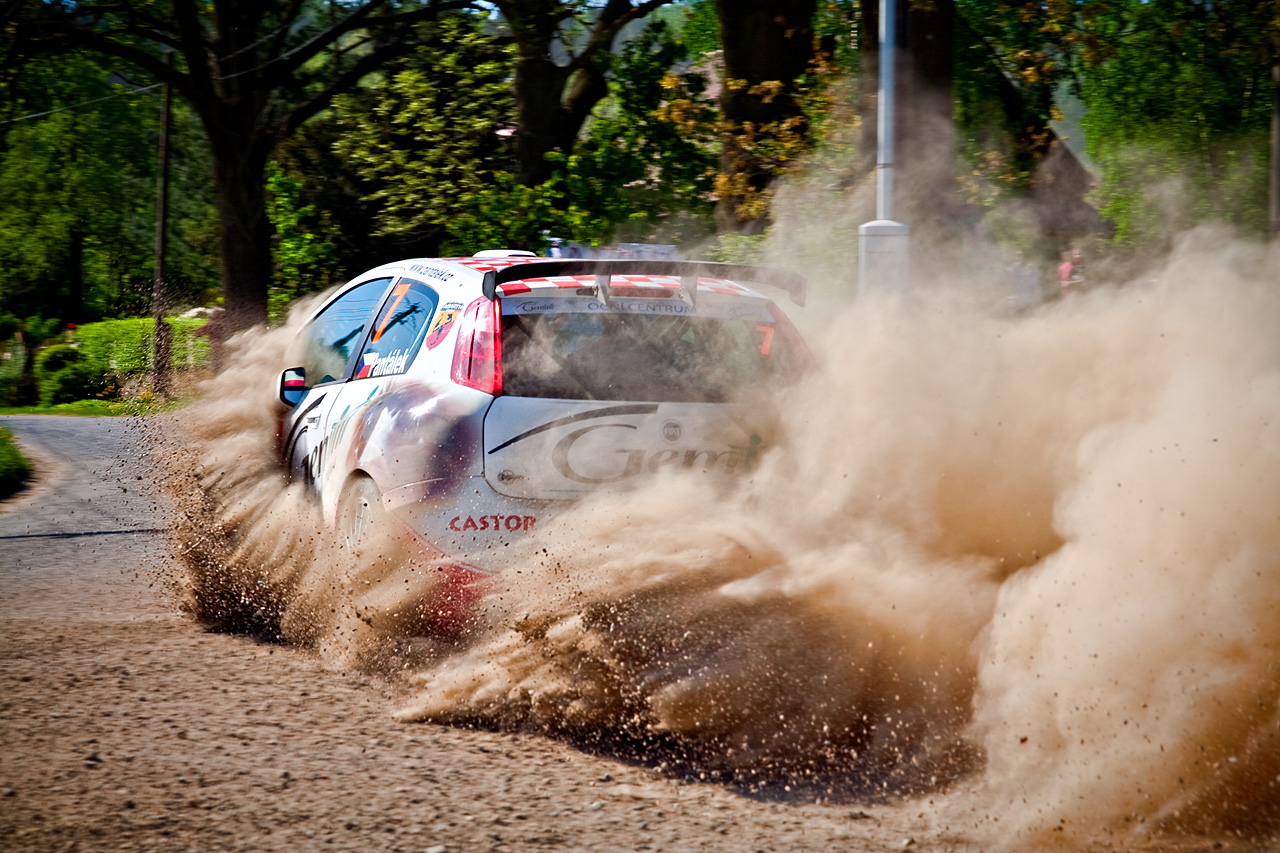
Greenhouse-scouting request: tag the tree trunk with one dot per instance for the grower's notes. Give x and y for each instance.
(240, 168)
(767, 45)
(926, 125)
(868, 83)
(545, 123)
(554, 99)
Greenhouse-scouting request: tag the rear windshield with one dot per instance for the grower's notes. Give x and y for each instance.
(591, 354)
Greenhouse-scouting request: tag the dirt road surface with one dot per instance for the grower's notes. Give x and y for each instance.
(124, 725)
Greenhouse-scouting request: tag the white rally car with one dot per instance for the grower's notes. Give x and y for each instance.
(472, 398)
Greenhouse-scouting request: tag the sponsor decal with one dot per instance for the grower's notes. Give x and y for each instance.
(432, 272)
(320, 454)
(534, 306)
(606, 412)
(441, 325)
(632, 462)
(373, 364)
(635, 461)
(493, 523)
(738, 309)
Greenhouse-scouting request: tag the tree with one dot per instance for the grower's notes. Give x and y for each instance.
(253, 72)
(431, 132)
(768, 45)
(439, 173)
(554, 98)
(648, 163)
(1174, 90)
(77, 192)
(1181, 91)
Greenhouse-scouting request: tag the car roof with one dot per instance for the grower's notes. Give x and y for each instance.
(503, 276)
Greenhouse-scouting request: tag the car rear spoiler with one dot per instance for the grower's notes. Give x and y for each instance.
(688, 271)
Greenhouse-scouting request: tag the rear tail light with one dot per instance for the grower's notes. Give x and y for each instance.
(782, 326)
(477, 358)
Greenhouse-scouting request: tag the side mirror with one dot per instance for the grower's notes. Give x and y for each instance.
(293, 386)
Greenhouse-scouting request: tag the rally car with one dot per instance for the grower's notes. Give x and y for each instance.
(470, 399)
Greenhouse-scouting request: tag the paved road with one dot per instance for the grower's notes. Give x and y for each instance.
(124, 725)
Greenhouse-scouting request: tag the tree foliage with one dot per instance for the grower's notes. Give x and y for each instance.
(562, 56)
(423, 147)
(648, 162)
(77, 172)
(253, 73)
(768, 46)
(442, 174)
(1177, 92)
(1180, 99)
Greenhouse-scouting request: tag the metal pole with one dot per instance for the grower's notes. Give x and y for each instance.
(884, 106)
(883, 243)
(159, 300)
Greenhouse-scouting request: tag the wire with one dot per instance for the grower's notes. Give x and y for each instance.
(83, 103)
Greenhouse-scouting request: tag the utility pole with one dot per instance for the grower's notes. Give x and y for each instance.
(883, 242)
(159, 299)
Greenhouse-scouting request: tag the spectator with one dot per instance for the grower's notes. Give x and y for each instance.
(1077, 268)
(1066, 270)
(214, 331)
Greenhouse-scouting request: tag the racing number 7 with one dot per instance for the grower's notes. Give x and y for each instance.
(767, 343)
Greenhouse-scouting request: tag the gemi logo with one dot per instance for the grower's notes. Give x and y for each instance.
(635, 461)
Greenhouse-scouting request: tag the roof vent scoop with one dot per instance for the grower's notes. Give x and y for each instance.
(504, 253)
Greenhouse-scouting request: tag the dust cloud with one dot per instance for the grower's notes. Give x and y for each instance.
(1030, 560)
(258, 558)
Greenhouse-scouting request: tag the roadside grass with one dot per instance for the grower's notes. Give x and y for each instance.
(143, 404)
(14, 467)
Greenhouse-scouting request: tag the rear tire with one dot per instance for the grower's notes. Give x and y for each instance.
(360, 513)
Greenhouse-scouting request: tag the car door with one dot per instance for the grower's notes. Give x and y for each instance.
(390, 344)
(331, 341)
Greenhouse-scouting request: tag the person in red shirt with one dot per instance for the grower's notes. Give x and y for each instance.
(1067, 278)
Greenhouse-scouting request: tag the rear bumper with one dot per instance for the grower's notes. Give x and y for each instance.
(479, 530)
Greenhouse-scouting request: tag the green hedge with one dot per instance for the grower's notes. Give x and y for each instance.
(125, 346)
(54, 358)
(14, 467)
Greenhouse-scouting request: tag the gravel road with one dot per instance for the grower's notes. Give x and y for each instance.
(126, 725)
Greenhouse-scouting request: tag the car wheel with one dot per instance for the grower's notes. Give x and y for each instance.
(359, 514)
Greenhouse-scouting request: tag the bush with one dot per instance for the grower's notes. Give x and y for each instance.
(14, 467)
(78, 380)
(125, 346)
(14, 390)
(54, 358)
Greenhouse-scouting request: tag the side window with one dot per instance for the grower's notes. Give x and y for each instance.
(398, 330)
(339, 330)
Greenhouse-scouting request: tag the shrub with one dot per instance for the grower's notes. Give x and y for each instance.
(54, 358)
(13, 390)
(16, 388)
(125, 346)
(78, 380)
